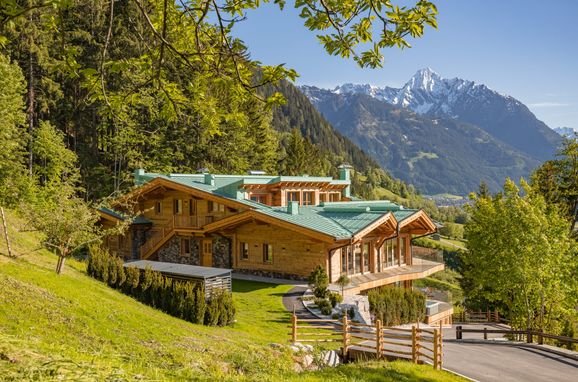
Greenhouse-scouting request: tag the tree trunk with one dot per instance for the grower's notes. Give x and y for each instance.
(31, 100)
(60, 264)
(4, 225)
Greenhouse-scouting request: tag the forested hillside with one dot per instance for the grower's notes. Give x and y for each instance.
(122, 99)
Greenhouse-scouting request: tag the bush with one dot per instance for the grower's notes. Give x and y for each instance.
(324, 305)
(351, 313)
(396, 306)
(319, 281)
(182, 299)
(335, 298)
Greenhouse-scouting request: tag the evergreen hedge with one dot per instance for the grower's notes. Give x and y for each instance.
(182, 299)
(396, 306)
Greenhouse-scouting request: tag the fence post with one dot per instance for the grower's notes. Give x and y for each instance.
(294, 327)
(458, 332)
(529, 338)
(441, 346)
(414, 349)
(497, 315)
(485, 333)
(540, 337)
(435, 349)
(488, 317)
(345, 337)
(378, 334)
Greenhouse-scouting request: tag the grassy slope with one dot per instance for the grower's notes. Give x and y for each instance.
(73, 327)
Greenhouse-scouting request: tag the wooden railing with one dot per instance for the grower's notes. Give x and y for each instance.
(416, 344)
(477, 317)
(157, 237)
(528, 334)
(194, 221)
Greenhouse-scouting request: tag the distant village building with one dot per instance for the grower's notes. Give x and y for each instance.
(273, 226)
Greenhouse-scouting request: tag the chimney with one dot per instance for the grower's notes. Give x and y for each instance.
(345, 174)
(210, 179)
(137, 175)
(293, 208)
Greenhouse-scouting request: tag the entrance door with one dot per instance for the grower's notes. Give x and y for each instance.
(207, 258)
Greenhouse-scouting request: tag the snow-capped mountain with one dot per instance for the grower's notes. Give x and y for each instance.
(566, 131)
(502, 116)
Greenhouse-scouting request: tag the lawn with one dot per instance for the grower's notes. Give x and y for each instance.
(71, 327)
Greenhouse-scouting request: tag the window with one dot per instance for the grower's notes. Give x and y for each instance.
(244, 251)
(177, 206)
(192, 207)
(335, 196)
(357, 253)
(186, 247)
(308, 198)
(350, 264)
(267, 253)
(215, 207)
(207, 246)
(259, 198)
(322, 197)
(402, 249)
(209, 206)
(344, 251)
(293, 196)
(158, 207)
(365, 257)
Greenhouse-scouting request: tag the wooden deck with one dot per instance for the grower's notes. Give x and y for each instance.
(419, 269)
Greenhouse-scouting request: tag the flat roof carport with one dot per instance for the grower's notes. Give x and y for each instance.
(211, 278)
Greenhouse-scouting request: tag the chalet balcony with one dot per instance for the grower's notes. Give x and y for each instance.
(419, 269)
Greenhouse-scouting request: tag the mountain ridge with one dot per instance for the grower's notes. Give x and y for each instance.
(502, 116)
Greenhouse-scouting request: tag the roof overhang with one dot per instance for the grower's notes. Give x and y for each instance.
(419, 223)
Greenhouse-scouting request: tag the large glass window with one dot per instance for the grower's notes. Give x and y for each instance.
(357, 253)
(350, 262)
(344, 252)
(365, 257)
(394, 251)
(308, 198)
(402, 249)
(292, 196)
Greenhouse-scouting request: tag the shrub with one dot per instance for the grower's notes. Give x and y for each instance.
(335, 298)
(182, 299)
(319, 281)
(324, 305)
(396, 306)
(351, 313)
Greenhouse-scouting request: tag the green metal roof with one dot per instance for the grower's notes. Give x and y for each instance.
(121, 216)
(341, 220)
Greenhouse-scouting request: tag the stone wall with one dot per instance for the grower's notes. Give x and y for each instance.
(171, 252)
(222, 252)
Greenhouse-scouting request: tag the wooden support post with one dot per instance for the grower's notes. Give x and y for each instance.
(378, 334)
(294, 327)
(529, 338)
(414, 345)
(458, 332)
(540, 337)
(345, 337)
(441, 346)
(485, 333)
(6, 236)
(436, 349)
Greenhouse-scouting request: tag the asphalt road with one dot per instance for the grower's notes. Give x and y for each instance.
(504, 363)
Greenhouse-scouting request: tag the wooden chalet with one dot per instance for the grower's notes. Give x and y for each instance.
(274, 226)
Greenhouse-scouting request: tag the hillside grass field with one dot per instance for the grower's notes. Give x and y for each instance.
(72, 327)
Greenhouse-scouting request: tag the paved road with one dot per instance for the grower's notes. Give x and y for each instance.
(504, 363)
(485, 362)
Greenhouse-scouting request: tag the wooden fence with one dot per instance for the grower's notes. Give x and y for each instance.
(477, 317)
(360, 340)
(530, 335)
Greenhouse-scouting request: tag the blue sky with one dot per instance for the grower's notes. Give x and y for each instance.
(525, 48)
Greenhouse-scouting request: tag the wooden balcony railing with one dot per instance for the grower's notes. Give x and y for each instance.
(156, 237)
